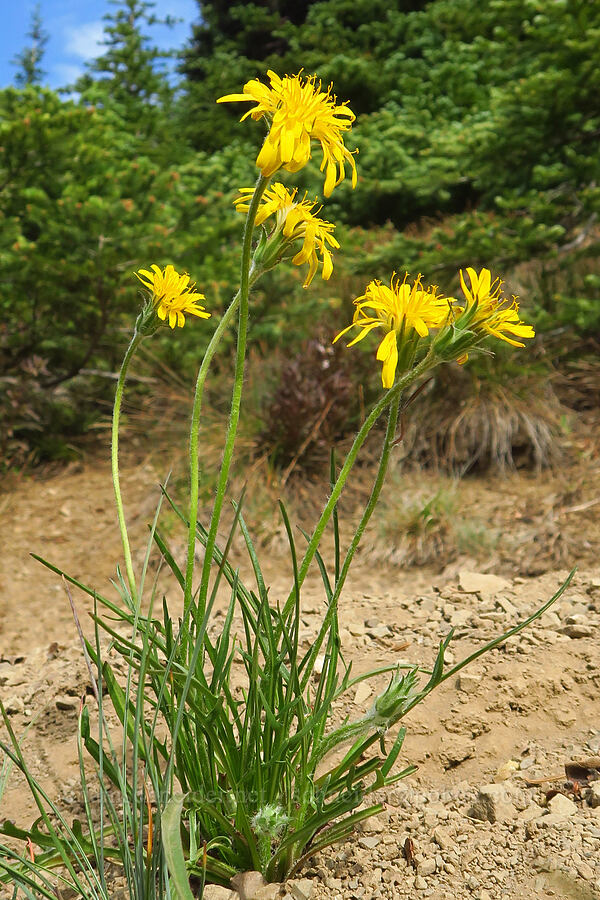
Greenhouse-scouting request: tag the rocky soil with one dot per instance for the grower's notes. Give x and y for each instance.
(491, 813)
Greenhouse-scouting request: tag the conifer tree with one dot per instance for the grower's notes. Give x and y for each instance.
(128, 75)
(30, 58)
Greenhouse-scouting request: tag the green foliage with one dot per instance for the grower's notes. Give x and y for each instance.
(477, 126)
(486, 113)
(122, 792)
(127, 73)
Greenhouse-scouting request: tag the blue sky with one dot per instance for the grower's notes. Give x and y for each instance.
(75, 27)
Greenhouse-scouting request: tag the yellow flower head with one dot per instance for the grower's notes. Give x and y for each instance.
(171, 296)
(491, 313)
(405, 311)
(298, 111)
(295, 220)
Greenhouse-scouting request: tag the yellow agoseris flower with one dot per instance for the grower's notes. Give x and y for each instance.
(298, 111)
(296, 221)
(492, 313)
(172, 295)
(405, 311)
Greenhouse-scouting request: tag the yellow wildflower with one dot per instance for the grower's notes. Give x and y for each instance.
(171, 296)
(488, 311)
(405, 311)
(298, 111)
(295, 220)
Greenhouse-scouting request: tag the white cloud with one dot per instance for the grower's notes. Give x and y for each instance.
(65, 73)
(83, 40)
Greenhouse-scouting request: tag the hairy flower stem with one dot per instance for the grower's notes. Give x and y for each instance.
(331, 613)
(392, 396)
(194, 444)
(240, 300)
(135, 342)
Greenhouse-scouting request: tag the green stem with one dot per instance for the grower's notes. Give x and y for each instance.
(135, 341)
(241, 299)
(331, 613)
(194, 444)
(392, 395)
(375, 492)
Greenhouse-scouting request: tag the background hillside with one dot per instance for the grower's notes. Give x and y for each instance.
(477, 128)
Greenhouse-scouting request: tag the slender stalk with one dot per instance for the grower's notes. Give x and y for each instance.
(135, 341)
(375, 492)
(245, 281)
(388, 399)
(194, 443)
(331, 614)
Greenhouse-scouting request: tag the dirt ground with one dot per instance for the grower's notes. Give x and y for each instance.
(513, 720)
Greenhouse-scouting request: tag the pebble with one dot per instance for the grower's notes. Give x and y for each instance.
(218, 892)
(363, 692)
(247, 884)
(493, 804)
(302, 888)
(14, 705)
(593, 794)
(487, 586)
(369, 842)
(577, 631)
(561, 805)
(266, 892)
(584, 870)
(427, 867)
(67, 702)
(468, 683)
(378, 631)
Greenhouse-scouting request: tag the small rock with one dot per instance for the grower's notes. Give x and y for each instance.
(14, 705)
(561, 805)
(506, 770)
(594, 743)
(268, 892)
(363, 692)
(369, 842)
(577, 619)
(593, 795)
(493, 804)
(67, 702)
(374, 825)
(420, 883)
(577, 631)
(487, 586)
(443, 838)
(427, 867)
(551, 620)
(319, 665)
(247, 884)
(468, 683)
(507, 606)
(218, 892)
(459, 617)
(301, 888)
(553, 820)
(530, 814)
(379, 631)
(584, 870)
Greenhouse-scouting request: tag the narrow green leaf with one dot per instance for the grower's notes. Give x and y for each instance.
(171, 839)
